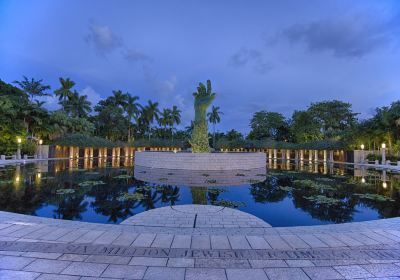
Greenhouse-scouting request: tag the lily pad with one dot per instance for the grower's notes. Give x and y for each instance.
(122, 176)
(210, 181)
(130, 197)
(229, 203)
(92, 173)
(91, 183)
(286, 188)
(373, 196)
(321, 199)
(65, 191)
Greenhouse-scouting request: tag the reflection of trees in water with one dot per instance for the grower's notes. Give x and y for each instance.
(342, 189)
(170, 194)
(269, 190)
(70, 207)
(24, 200)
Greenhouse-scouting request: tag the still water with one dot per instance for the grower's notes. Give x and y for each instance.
(288, 194)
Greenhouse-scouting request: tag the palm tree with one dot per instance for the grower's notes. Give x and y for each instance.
(132, 109)
(64, 92)
(32, 87)
(165, 119)
(119, 98)
(150, 113)
(175, 118)
(77, 105)
(214, 118)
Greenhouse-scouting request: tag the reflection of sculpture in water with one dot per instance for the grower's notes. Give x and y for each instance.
(199, 195)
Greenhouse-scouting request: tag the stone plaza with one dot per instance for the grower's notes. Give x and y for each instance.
(196, 242)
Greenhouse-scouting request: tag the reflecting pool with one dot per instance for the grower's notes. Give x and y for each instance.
(111, 190)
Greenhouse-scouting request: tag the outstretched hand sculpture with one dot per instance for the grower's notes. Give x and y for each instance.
(202, 100)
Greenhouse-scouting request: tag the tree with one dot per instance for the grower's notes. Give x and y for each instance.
(132, 109)
(150, 113)
(32, 87)
(76, 105)
(232, 135)
(304, 127)
(176, 118)
(334, 118)
(214, 118)
(268, 125)
(64, 92)
(165, 120)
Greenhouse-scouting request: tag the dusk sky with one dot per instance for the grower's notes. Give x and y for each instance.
(259, 55)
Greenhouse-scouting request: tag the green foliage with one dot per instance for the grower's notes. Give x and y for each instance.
(268, 125)
(65, 191)
(80, 140)
(270, 144)
(199, 141)
(373, 196)
(321, 199)
(159, 143)
(28, 148)
(91, 183)
(228, 203)
(202, 100)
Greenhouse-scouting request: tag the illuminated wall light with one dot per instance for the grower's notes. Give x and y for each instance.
(363, 180)
(362, 147)
(383, 146)
(384, 185)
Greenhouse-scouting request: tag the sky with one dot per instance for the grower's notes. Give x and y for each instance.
(260, 55)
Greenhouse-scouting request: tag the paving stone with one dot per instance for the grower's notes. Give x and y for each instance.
(299, 263)
(11, 262)
(164, 273)
(144, 240)
(221, 263)
(240, 274)
(125, 238)
(295, 242)
(180, 262)
(11, 253)
(322, 273)
(181, 241)
(73, 257)
(219, 242)
(238, 242)
(47, 266)
(267, 263)
(313, 241)
(89, 237)
(286, 274)
(73, 235)
(329, 240)
(163, 241)
(205, 274)
(146, 261)
(257, 242)
(124, 271)
(40, 255)
(17, 275)
(382, 270)
(201, 242)
(57, 277)
(107, 238)
(338, 262)
(276, 242)
(108, 259)
(85, 269)
(352, 271)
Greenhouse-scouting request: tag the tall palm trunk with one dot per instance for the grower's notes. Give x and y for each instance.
(214, 135)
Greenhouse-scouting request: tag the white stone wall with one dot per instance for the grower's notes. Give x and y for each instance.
(201, 161)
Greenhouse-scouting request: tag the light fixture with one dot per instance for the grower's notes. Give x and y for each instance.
(40, 142)
(363, 180)
(383, 146)
(362, 146)
(19, 140)
(384, 185)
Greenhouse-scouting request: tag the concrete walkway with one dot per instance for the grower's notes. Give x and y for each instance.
(203, 242)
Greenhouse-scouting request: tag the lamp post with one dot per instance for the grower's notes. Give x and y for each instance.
(39, 155)
(19, 141)
(362, 153)
(383, 153)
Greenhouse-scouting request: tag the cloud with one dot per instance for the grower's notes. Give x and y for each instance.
(251, 57)
(167, 86)
(353, 38)
(103, 39)
(136, 56)
(93, 96)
